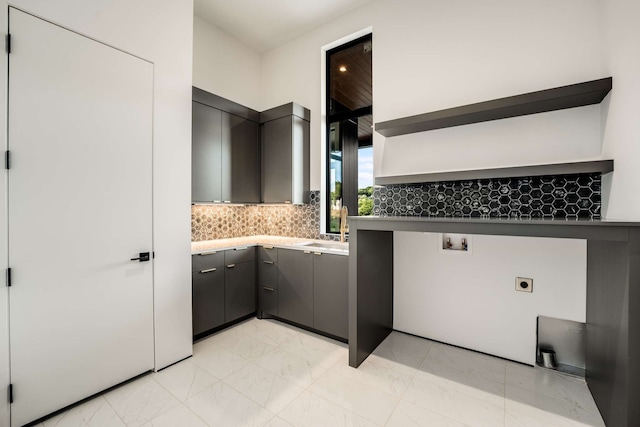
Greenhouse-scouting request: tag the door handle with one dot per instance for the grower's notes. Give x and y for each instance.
(268, 262)
(231, 265)
(144, 256)
(210, 270)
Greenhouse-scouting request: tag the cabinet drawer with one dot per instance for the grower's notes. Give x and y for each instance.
(268, 253)
(268, 300)
(268, 274)
(206, 261)
(238, 255)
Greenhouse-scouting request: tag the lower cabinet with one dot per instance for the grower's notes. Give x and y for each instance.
(312, 291)
(208, 300)
(295, 286)
(223, 288)
(240, 290)
(331, 294)
(268, 281)
(304, 287)
(207, 281)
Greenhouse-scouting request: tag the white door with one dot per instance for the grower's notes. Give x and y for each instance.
(80, 207)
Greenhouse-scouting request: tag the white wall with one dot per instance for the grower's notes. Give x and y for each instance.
(621, 127)
(429, 55)
(224, 66)
(470, 299)
(161, 32)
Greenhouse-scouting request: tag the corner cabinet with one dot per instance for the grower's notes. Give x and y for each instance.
(285, 154)
(225, 156)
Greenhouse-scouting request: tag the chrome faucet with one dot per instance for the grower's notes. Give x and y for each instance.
(344, 212)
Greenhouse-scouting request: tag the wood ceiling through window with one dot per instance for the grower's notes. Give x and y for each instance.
(352, 88)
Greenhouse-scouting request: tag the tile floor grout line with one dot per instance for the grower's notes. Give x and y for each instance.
(404, 392)
(113, 409)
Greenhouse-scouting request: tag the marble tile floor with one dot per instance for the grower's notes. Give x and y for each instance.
(266, 373)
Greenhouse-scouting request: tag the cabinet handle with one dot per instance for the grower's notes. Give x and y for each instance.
(268, 247)
(317, 253)
(268, 289)
(231, 265)
(239, 249)
(208, 253)
(209, 270)
(307, 252)
(268, 262)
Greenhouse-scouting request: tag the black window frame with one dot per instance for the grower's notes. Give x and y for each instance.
(350, 155)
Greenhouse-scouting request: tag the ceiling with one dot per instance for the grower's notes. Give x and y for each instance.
(266, 24)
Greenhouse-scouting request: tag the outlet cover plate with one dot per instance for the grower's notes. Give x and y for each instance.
(524, 284)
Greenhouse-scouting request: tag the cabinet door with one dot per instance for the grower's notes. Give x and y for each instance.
(240, 290)
(268, 281)
(277, 160)
(206, 154)
(331, 294)
(295, 286)
(240, 160)
(208, 300)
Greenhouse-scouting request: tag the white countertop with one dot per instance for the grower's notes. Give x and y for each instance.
(274, 241)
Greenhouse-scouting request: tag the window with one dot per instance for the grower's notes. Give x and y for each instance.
(349, 131)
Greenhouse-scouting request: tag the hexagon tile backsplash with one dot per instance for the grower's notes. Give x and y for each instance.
(567, 197)
(209, 222)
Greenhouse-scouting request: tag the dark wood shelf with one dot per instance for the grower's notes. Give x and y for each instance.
(576, 95)
(597, 166)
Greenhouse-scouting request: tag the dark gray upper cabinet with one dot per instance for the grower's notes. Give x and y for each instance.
(331, 294)
(285, 154)
(240, 159)
(295, 286)
(225, 155)
(206, 154)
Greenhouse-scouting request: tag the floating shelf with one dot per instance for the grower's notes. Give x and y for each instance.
(576, 95)
(597, 166)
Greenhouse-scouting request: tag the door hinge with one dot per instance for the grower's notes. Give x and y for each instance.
(10, 393)
(8, 277)
(7, 159)
(7, 43)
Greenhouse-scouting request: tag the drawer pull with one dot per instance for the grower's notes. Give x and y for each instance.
(231, 265)
(208, 253)
(268, 247)
(268, 289)
(268, 262)
(307, 252)
(240, 249)
(209, 270)
(317, 253)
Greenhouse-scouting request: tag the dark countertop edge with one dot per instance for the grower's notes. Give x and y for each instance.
(511, 222)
